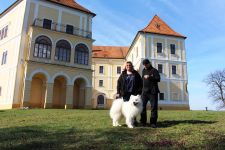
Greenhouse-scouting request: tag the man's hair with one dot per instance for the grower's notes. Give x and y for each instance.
(145, 61)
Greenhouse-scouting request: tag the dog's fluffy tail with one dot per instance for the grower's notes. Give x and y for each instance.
(116, 108)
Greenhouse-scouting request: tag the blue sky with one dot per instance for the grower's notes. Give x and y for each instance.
(202, 21)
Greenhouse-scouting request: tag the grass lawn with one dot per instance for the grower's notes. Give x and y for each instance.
(92, 129)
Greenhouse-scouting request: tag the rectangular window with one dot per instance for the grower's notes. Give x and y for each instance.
(47, 24)
(118, 70)
(172, 48)
(161, 96)
(4, 58)
(69, 29)
(174, 69)
(100, 83)
(6, 31)
(3, 32)
(101, 69)
(159, 47)
(160, 68)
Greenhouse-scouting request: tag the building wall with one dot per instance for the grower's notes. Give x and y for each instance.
(109, 77)
(13, 19)
(137, 51)
(174, 86)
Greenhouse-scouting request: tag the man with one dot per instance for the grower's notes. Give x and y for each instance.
(150, 92)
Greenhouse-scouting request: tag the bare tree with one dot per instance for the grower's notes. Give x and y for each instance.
(216, 83)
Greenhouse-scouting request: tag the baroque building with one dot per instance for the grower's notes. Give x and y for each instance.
(47, 46)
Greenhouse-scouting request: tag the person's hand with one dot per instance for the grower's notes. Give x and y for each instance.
(146, 76)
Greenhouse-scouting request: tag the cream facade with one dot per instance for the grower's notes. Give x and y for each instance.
(173, 85)
(48, 63)
(105, 82)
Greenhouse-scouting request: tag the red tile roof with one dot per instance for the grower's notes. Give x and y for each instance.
(158, 26)
(72, 4)
(114, 52)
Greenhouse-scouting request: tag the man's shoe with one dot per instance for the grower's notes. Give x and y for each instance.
(153, 126)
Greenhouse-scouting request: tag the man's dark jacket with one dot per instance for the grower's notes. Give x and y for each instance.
(150, 85)
(121, 84)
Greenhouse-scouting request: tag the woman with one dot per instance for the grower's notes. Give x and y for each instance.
(129, 82)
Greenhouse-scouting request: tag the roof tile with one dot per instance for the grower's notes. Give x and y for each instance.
(72, 4)
(158, 26)
(114, 52)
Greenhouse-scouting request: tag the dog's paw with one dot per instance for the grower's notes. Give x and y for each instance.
(116, 125)
(130, 126)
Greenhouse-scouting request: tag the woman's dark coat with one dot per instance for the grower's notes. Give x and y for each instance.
(121, 84)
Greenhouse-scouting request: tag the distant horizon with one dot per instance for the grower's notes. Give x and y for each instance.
(117, 24)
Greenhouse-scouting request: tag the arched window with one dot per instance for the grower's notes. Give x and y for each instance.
(100, 100)
(43, 47)
(63, 51)
(81, 54)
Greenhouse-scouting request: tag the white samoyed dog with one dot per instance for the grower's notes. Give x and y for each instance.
(129, 109)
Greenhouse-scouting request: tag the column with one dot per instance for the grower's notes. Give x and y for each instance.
(72, 55)
(152, 48)
(27, 91)
(168, 90)
(48, 95)
(59, 21)
(88, 97)
(69, 97)
(147, 43)
(182, 90)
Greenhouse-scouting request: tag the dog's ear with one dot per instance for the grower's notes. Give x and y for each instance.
(132, 96)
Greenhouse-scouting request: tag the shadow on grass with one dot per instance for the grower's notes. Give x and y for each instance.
(169, 123)
(36, 137)
(41, 138)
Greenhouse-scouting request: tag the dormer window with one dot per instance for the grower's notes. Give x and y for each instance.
(157, 25)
